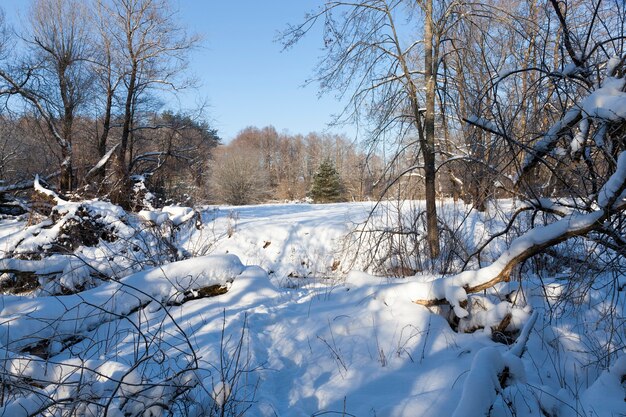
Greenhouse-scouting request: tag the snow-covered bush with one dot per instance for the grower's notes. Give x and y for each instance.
(81, 244)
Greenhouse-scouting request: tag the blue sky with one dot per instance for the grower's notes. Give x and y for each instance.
(244, 76)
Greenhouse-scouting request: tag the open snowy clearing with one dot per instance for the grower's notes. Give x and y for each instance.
(293, 335)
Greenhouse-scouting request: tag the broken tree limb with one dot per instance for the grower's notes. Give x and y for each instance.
(26, 184)
(520, 344)
(49, 193)
(101, 163)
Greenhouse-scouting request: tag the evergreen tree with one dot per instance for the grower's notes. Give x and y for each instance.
(327, 186)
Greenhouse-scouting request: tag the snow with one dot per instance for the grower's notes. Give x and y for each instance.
(27, 320)
(321, 342)
(155, 217)
(483, 123)
(607, 102)
(615, 184)
(610, 387)
(602, 105)
(549, 140)
(175, 214)
(39, 188)
(614, 61)
(178, 215)
(579, 140)
(290, 241)
(570, 69)
(481, 386)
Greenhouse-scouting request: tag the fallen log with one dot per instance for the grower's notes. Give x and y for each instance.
(453, 290)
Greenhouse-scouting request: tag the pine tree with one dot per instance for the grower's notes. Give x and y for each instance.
(327, 186)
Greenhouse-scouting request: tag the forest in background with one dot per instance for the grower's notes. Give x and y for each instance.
(87, 110)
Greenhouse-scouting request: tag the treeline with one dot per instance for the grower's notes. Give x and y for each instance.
(181, 160)
(260, 165)
(171, 156)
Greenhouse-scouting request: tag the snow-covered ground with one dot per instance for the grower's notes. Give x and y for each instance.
(298, 333)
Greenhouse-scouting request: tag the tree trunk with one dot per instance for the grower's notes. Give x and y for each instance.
(128, 112)
(428, 145)
(66, 178)
(122, 192)
(100, 174)
(106, 126)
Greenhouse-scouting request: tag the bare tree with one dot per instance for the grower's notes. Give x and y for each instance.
(153, 52)
(370, 59)
(53, 78)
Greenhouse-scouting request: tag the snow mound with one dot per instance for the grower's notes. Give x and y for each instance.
(28, 321)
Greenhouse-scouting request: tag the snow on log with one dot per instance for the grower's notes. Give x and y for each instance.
(482, 385)
(614, 190)
(26, 322)
(454, 289)
(52, 265)
(490, 370)
(40, 189)
(607, 102)
(175, 214)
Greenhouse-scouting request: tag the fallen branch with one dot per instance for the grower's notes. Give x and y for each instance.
(101, 163)
(26, 184)
(454, 289)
